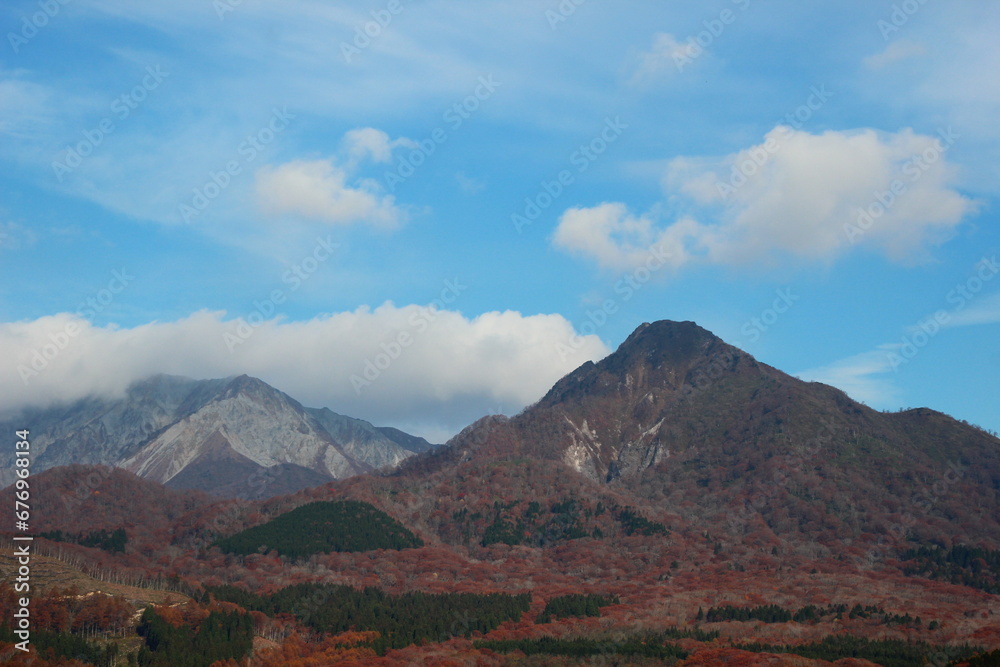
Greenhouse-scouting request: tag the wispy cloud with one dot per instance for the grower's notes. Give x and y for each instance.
(897, 51)
(660, 60)
(468, 184)
(25, 105)
(986, 310)
(861, 376)
(15, 236)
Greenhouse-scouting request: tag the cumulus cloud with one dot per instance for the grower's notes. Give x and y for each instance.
(330, 190)
(807, 195)
(318, 190)
(421, 367)
(618, 240)
(796, 195)
(368, 143)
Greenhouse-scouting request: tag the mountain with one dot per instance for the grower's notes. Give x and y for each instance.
(678, 419)
(233, 437)
(678, 494)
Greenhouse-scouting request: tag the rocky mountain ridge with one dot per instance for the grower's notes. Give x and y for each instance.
(234, 436)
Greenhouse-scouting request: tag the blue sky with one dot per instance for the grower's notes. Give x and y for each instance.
(421, 212)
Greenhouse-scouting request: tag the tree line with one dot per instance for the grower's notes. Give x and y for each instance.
(886, 652)
(772, 613)
(566, 519)
(221, 636)
(575, 605)
(963, 565)
(111, 541)
(400, 620)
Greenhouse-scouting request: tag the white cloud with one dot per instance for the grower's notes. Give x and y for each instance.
(14, 236)
(864, 376)
(954, 84)
(618, 240)
(859, 377)
(454, 369)
(901, 49)
(795, 195)
(811, 188)
(318, 190)
(468, 184)
(985, 311)
(663, 56)
(24, 105)
(367, 142)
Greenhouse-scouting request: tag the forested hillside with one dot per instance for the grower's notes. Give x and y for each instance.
(676, 502)
(323, 527)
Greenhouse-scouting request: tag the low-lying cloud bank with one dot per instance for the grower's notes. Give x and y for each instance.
(430, 370)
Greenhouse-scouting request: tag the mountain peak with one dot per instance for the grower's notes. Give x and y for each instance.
(667, 337)
(670, 328)
(254, 388)
(244, 381)
(664, 353)
(676, 415)
(233, 430)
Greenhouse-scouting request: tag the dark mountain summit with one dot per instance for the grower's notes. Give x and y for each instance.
(681, 419)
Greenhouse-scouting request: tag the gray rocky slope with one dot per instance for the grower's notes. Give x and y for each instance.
(236, 437)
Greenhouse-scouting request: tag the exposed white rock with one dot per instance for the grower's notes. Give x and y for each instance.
(165, 423)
